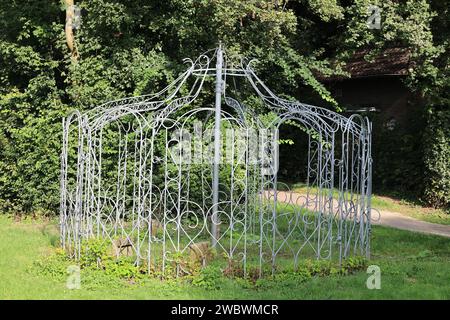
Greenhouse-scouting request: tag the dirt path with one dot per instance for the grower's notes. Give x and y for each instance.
(386, 218)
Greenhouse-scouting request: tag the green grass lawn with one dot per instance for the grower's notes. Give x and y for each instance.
(413, 266)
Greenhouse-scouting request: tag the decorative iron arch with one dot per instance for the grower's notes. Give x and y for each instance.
(159, 174)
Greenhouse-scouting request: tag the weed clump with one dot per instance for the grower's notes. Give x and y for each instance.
(100, 266)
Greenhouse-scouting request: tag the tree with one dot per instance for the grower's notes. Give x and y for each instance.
(128, 48)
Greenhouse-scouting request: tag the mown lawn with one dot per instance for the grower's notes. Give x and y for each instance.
(413, 266)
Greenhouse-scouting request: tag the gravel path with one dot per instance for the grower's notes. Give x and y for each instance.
(385, 218)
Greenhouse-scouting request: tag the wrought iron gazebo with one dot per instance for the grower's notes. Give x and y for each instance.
(161, 174)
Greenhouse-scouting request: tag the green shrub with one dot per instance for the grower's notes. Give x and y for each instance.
(209, 277)
(437, 158)
(123, 268)
(98, 269)
(94, 253)
(353, 264)
(53, 266)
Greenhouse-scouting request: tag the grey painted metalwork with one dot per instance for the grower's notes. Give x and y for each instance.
(217, 147)
(164, 171)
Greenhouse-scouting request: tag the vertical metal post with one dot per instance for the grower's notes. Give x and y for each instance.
(62, 210)
(214, 217)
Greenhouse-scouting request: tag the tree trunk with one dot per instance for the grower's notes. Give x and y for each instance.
(68, 29)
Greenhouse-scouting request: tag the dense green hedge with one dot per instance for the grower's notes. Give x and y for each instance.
(136, 47)
(437, 158)
(126, 48)
(30, 143)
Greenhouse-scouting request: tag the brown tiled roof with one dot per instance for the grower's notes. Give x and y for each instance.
(392, 61)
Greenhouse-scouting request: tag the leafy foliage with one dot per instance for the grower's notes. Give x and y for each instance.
(437, 158)
(209, 277)
(136, 47)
